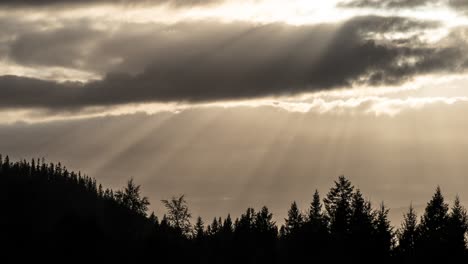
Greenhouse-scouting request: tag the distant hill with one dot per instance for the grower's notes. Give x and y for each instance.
(51, 213)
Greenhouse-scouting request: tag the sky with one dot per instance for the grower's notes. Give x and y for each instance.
(241, 103)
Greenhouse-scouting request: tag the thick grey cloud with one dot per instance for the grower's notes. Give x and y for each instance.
(388, 3)
(214, 61)
(457, 5)
(64, 47)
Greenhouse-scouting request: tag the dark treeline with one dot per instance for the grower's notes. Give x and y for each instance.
(50, 213)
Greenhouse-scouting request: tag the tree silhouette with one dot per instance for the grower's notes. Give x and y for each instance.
(154, 219)
(130, 197)
(407, 236)
(383, 234)
(294, 221)
(361, 226)
(339, 212)
(199, 229)
(246, 222)
(316, 233)
(84, 221)
(315, 216)
(457, 229)
(228, 227)
(215, 227)
(178, 214)
(338, 206)
(264, 223)
(432, 241)
(266, 233)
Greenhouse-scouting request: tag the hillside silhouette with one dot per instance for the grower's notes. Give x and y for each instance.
(55, 215)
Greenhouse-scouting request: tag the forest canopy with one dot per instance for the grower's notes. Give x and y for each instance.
(53, 213)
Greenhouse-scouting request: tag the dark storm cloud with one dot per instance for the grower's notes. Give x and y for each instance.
(64, 47)
(214, 61)
(457, 5)
(52, 3)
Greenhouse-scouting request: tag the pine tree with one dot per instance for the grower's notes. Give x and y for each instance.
(164, 226)
(282, 231)
(199, 229)
(38, 166)
(315, 215)
(316, 234)
(264, 223)
(433, 228)
(457, 228)
(246, 222)
(227, 225)
(32, 168)
(361, 228)
(338, 206)
(408, 235)
(383, 232)
(294, 221)
(6, 164)
(215, 227)
(153, 219)
(265, 235)
(220, 223)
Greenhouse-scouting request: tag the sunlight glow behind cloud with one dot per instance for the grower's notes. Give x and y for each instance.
(109, 19)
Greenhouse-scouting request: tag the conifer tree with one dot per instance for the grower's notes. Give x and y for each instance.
(153, 219)
(362, 217)
(408, 235)
(383, 232)
(316, 229)
(6, 164)
(264, 222)
(199, 229)
(433, 228)
(227, 225)
(266, 234)
(214, 227)
(246, 222)
(316, 222)
(315, 215)
(164, 226)
(338, 206)
(282, 231)
(361, 228)
(457, 229)
(294, 221)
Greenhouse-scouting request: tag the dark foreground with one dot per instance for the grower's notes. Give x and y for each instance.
(51, 214)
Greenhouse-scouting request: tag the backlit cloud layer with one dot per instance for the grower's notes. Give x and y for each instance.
(205, 61)
(65, 62)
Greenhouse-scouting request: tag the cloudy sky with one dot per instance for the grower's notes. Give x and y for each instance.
(241, 103)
